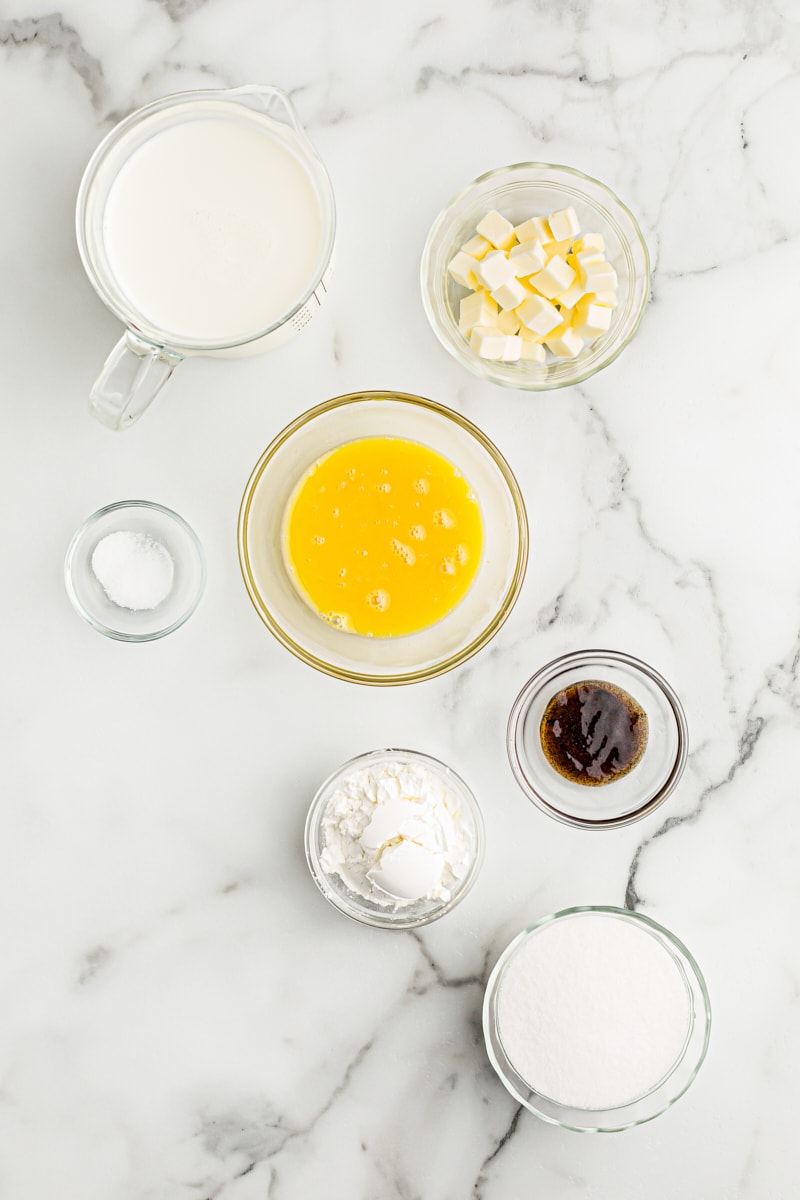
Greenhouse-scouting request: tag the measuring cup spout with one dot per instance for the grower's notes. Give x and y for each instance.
(272, 101)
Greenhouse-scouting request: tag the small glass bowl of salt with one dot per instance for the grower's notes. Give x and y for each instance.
(135, 571)
(394, 839)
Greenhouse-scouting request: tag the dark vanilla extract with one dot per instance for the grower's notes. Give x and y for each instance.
(593, 733)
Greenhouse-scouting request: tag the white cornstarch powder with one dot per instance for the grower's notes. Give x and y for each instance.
(134, 569)
(592, 1011)
(395, 834)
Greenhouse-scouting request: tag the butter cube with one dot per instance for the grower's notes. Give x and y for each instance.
(534, 230)
(560, 248)
(568, 299)
(538, 315)
(577, 259)
(510, 294)
(564, 341)
(590, 320)
(513, 349)
(532, 352)
(599, 276)
(590, 241)
(607, 299)
(507, 321)
(477, 309)
(527, 258)
(463, 269)
(477, 247)
(488, 342)
(494, 270)
(528, 335)
(564, 224)
(496, 229)
(556, 277)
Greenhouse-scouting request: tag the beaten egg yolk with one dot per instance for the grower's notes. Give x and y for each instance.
(383, 537)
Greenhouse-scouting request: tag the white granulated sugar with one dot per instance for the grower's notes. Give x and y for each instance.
(134, 570)
(394, 834)
(592, 1011)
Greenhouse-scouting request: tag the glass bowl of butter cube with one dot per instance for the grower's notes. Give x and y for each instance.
(535, 276)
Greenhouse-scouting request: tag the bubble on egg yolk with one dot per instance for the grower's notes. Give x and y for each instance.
(405, 552)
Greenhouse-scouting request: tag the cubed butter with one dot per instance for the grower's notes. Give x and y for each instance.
(507, 321)
(590, 241)
(496, 229)
(538, 315)
(586, 256)
(539, 286)
(513, 349)
(568, 299)
(599, 276)
(488, 342)
(560, 248)
(536, 229)
(477, 247)
(532, 352)
(590, 320)
(527, 258)
(564, 224)
(556, 277)
(494, 270)
(510, 294)
(477, 309)
(462, 267)
(564, 341)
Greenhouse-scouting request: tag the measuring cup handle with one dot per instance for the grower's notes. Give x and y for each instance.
(133, 375)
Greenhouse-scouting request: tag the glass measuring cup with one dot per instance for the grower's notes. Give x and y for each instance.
(146, 355)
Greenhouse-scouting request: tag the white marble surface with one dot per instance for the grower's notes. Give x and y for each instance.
(181, 1015)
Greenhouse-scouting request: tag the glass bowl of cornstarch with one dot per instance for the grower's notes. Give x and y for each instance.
(394, 839)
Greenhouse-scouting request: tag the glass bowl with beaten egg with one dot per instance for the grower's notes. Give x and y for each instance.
(382, 538)
(535, 276)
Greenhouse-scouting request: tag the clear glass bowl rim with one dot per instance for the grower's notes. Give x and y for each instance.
(556, 666)
(436, 668)
(367, 917)
(470, 361)
(627, 914)
(100, 626)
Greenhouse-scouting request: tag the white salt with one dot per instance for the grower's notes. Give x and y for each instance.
(135, 570)
(592, 1011)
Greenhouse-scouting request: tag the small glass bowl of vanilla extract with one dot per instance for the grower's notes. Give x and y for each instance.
(597, 739)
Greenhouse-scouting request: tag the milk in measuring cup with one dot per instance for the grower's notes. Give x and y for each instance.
(213, 228)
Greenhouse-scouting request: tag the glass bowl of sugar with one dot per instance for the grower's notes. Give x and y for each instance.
(135, 571)
(394, 839)
(596, 1019)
